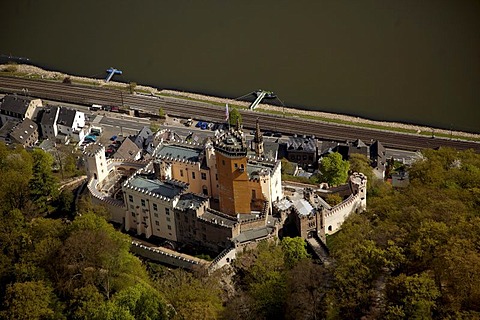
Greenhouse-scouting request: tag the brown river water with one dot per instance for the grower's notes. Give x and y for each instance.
(406, 61)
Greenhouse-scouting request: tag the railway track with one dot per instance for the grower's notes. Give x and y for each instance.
(204, 111)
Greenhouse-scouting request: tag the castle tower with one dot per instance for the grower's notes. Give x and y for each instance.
(96, 162)
(235, 195)
(258, 142)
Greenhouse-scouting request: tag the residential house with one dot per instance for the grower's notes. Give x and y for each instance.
(70, 123)
(61, 123)
(48, 122)
(24, 133)
(128, 150)
(378, 158)
(303, 151)
(16, 108)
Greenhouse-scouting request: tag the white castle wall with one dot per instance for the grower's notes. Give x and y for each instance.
(357, 201)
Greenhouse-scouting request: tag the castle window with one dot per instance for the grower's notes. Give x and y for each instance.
(155, 207)
(235, 165)
(167, 211)
(155, 215)
(157, 223)
(181, 173)
(254, 194)
(329, 228)
(223, 162)
(169, 227)
(133, 214)
(204, 176)
(216, 176)
(193, 175)
(143, 202)
(168, 219)
(130, 198)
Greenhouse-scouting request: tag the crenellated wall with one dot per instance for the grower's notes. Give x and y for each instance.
(356, 202)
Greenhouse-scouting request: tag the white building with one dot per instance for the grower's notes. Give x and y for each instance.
(62, 123)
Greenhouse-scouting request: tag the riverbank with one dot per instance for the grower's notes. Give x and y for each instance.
(30, 71)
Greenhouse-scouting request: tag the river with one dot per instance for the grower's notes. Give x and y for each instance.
(406, 61)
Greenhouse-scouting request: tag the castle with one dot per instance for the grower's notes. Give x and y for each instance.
(215, 196)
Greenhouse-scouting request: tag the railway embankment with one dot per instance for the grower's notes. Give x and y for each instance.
(29, 71)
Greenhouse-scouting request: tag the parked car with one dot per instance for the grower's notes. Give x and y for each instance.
(113, 138)
(277, 134)
(204, 126)
(267, 134)
(199, 124)
(90, 138)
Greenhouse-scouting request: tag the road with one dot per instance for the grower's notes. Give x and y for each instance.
(204, 111)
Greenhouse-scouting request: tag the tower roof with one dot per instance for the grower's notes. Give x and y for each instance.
(258, 135)
(231, 143)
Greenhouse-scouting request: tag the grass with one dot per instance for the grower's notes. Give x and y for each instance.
(221, 104)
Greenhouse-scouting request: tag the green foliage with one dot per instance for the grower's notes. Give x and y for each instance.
(333, 199)
(131, 87)
(15, 166)
(360, 163)
(287, 167)
(65, 202)
(142, 302)
(234, 117)
(264, 278)
(333, 169)
(161, 112)
(412, 297)
(294, 250)
(190, 297)
(421, 242)
(43, 185)
(28, 300)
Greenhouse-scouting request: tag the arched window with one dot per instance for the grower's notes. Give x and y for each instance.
(205, 190)
(329, 228)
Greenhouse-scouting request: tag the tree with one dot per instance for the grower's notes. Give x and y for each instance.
(294, 250)
(333, 199)
(131, 87)
(143, 302)
(307, 287)
(333, 169)
(28, 300)
(15, 166)
(161, 113)
(190, 297)
(43, 185)
(360, 163)
(234, 117)
(411, 297)
(96, 254)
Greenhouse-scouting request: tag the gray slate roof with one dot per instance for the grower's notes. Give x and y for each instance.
(156, 186)
(301, 144)
(253, 234)
(303, 207)
(15, 103)
(189, 201)
(66, 117)
(179, 152)
(24, 130)
(48, 116)
(127, 150)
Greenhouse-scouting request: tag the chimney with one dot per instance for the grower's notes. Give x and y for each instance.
(156, 169)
